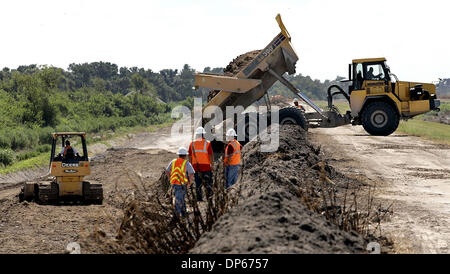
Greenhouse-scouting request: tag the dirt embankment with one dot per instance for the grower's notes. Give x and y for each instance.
(270, 217)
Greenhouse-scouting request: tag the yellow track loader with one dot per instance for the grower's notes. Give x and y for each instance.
(66, 176)
(377, 99)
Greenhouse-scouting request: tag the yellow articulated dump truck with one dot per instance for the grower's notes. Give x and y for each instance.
(377, 99)
(66, 183)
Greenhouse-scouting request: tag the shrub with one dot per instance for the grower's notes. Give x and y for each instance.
(6, 156)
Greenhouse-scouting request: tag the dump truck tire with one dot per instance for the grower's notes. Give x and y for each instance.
(92, 193)
(293, 116)
(380, 119)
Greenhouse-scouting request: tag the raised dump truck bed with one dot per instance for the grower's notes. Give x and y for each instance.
(252, 82)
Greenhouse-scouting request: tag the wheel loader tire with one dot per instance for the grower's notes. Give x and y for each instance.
(92, 193)
(380, 119)
(293, 116)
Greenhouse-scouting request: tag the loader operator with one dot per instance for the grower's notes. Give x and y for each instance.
(370, 75)
(201, 157)
(68, 151)
(232, 159)
(181, 174)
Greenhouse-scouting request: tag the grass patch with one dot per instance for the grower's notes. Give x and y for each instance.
(428, 130)
(33, 162)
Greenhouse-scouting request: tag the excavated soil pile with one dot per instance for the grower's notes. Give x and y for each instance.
(442, 117)
(235, 66)
(270, 217)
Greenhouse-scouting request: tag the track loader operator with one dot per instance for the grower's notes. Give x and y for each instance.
(232, 159)
(181, 175)
(201, 157)
(68, 151)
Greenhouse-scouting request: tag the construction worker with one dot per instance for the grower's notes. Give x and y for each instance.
(298, 105)
(232, 159)
(181, 176)
(68, 151)
(201, 157)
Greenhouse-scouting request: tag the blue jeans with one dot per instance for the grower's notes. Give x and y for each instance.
(180, 204)
(203, 179)
(231, 175)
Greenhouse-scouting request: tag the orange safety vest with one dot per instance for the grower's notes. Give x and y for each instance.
(235, 156)
(178, 172)
(200, 153)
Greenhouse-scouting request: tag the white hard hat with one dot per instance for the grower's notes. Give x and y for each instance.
(231, 132)
(295, 100)
(200, 130)
(182, 151)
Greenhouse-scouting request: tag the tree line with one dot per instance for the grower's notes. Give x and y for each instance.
(95, 97)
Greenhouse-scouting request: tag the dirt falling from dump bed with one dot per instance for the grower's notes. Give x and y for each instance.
(270, 217)
(235, 66)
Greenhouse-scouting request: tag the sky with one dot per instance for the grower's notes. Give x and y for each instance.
(414, 36)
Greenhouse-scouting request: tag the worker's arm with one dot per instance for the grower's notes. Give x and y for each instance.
(190, 171)
(191, 179)
(190, 153)
(211, 156)
(211, 160)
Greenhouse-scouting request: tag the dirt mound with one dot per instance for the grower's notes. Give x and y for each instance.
(271, 217)
(235, 66)
(276, 222)
(280, 100)
(442, 117)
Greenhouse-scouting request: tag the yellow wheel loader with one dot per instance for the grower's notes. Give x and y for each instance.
(65, 182)
(377, 99)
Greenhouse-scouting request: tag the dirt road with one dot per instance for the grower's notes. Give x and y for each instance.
(410, 172)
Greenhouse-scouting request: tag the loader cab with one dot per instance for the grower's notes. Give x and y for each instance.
(77, 139)
(70, 167)
(371, 74)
